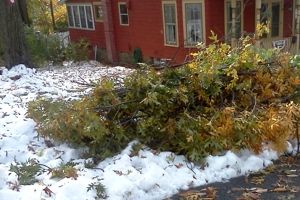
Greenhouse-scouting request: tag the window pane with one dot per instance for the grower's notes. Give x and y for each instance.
(82, 16)
(170, 23)
(193, 17)
(89, 17)
(169, 11)
(171, 34)
(124, 19)
(123, 8)
(76, 16)
(275, 19)
(70, 16)
(264, 13)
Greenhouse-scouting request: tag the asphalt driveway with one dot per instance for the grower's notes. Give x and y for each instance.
(280, 181)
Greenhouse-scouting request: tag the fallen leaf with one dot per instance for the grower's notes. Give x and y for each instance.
(211, 192)
(120, 173)
(192, 194)
(259, 190)
(280, 189)
(292, 175)
(179, 165)
(250, 196)
(48, 191)
(258, 180)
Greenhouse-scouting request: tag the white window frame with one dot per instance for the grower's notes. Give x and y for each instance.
(241, 18)
(121, 14)
(71, 5)
(164, 24)
(202, 2)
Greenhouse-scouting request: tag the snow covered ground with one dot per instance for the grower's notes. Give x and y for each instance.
(148, 175)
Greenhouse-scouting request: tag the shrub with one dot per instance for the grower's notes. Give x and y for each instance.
(77, 51)
(65, 171)
(48, 47)
(227, 98)
(99, 189)
(26, 171)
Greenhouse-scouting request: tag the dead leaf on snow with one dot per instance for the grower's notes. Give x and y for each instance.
(179, 165)
(118, 172)
(48, 191)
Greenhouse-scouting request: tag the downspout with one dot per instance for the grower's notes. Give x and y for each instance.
(109, 32)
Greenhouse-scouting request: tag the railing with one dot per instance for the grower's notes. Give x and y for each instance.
(288, 44)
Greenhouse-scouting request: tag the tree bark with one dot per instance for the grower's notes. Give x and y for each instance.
(24, 12)
(12, 32)
(52, 16)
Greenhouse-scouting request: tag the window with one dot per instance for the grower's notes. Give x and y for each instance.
(80, 16)
(98, 12)
(123, 11)
(238, 20)
(271, 12)
(170, 23)
(193, 22)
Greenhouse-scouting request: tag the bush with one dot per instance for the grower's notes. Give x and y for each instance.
(26, 171)
(77, 51)
(227, 98)
(44, 48)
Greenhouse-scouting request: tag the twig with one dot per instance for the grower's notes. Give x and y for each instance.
(254, 106)
(85, 84)
(115, 105)
(190, 167)
(98, 168)
(44, 166)
(86, 81)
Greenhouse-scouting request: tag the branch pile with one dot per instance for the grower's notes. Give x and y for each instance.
(227, 98)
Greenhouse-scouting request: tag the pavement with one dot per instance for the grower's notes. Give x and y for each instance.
(280, 181)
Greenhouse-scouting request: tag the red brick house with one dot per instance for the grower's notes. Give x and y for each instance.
(170, 29)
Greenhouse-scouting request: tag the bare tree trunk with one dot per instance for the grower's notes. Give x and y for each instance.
(12, 32)
(24, 12)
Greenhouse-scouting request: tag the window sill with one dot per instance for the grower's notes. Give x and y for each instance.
(171, 45)
(84, 29)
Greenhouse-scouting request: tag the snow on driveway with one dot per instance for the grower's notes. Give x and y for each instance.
(148, 175)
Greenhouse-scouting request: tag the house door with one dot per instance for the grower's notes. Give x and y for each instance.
(271, 13)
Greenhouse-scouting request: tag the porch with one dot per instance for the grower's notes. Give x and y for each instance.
(274, 13)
